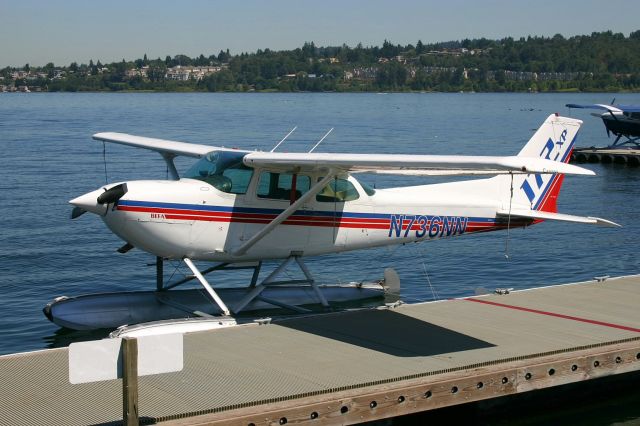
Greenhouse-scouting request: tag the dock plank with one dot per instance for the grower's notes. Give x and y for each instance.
(321, 362)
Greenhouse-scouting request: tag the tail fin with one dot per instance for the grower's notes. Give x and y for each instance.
(535, 196)
(554, 140)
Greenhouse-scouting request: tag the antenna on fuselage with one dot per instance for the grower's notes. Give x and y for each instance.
(506, 243)
(320, 141)
(283, 139)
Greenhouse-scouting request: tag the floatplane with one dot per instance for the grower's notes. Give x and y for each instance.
(235, 206)
(621, 120)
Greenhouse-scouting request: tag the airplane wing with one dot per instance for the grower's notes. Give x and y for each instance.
(164, 147)
(409, 164)
(629, 108)
(610, 108)
(542, 215)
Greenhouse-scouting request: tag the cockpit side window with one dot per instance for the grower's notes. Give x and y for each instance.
(338, 190)
(278, 186)
(224, 170)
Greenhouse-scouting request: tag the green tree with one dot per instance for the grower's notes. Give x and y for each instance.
(309, 50)
(49, 69)
(157, 71)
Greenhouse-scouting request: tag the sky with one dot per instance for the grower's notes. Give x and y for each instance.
(65, 31)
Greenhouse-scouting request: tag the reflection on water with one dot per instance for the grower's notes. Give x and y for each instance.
(63, 337)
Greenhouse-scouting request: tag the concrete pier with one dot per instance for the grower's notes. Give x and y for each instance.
(356, 366)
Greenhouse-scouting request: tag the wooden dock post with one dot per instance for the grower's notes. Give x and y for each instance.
(130, 381)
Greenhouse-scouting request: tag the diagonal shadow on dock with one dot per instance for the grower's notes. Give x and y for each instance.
(388, 332)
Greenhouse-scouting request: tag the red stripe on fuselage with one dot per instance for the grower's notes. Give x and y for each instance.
(305, 220)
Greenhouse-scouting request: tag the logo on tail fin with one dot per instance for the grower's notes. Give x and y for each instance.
(537, 187)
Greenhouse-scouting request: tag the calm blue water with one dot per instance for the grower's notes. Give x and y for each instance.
(48, 157)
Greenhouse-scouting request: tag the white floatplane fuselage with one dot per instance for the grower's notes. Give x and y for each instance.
(218, 224)
(220, 209)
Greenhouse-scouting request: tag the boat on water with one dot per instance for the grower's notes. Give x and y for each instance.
(623, 121)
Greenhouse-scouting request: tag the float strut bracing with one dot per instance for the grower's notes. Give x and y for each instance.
(271, 280)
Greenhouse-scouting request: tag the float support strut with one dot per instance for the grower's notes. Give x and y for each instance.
(315, 287)
(159, 274)
(206, 286)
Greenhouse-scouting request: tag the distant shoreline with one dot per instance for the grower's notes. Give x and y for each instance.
(601, 62)
(326, 92)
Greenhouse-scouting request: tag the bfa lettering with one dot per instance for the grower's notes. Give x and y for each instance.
(551, 151)
(403, 226)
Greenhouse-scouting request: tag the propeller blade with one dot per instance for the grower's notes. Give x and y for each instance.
(77, 212)
(112, 195)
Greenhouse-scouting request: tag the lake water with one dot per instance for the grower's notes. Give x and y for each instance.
(48, 157)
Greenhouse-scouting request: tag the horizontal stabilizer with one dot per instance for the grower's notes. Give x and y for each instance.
(542, 215)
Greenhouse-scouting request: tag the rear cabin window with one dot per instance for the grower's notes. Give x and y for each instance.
(277, 186)
(338, 190)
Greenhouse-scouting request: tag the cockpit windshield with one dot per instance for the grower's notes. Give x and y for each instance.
(223, 170)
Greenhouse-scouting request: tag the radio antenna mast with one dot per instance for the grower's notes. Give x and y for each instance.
(283, 139)
(320, 141)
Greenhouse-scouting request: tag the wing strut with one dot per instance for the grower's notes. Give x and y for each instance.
(207, 287)
(168, 158)
(285, 214)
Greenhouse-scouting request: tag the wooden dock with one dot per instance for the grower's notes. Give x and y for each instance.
(356, 366)
(628, 156)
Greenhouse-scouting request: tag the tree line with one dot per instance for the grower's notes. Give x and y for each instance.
(602, 61)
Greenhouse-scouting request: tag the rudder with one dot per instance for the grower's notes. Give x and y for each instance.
(554, 140)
